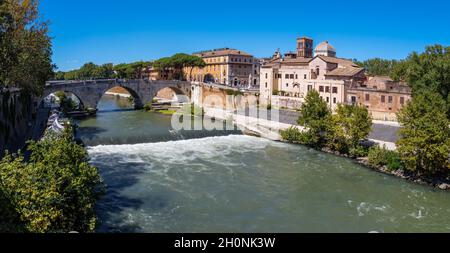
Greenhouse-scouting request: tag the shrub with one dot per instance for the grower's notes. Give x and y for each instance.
(359, 151)
(292, 135)
(380, 157)
(54, 192)
(148, 107)
(269, 107)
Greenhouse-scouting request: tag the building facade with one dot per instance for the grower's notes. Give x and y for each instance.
(227, 66)
(286, 80)
(383, 97)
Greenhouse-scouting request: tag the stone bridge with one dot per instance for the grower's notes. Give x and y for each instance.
(90, 92)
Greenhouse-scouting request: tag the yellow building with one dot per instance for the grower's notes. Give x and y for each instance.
(226, 66)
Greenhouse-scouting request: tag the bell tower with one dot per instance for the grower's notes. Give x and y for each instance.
(305, 47)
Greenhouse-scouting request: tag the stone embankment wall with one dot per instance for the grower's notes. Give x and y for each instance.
(17, 117)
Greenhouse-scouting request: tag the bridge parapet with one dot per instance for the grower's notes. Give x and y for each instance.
(91, 91)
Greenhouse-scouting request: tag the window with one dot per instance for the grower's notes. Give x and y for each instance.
(402, 100)
(310, 87)
(353, 100)
(335, 90)
(327, 89)
(292, 76)
(287, 76)
(287, 85)
(320, 88)
(266, 85)
(318, 71)
(367, 97)
(306, 77)
(328, 100)
(296, 76)
(391, 99)
(334, 100)
(383, 99)
(279, 76)
(267, 75)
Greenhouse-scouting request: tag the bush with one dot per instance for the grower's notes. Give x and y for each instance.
(55, 191)
(292, 135)
(148, 107)
(380, 157)
(269, 107)
(359, 151)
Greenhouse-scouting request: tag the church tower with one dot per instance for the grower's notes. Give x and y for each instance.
(305, 47)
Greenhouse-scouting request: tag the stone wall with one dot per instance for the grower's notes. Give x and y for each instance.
(17, 117)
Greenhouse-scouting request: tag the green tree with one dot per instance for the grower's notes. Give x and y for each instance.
(25, 47)
(55, 191)
(315, 116)
(348, 127)
(427, 71)
(378, 67)
(178, 63)
(424, 145)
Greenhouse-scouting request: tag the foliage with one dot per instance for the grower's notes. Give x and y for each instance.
(292, 135)
(178, 63)
(269, 107)
(427, 71)
(315, 116)
(378, 67)
(55, 191)
(380, 157)
(134, 70)
(25, 47)
(425, 137)
(67, 104)
(348, 127)
(148, 107)
(91, 71)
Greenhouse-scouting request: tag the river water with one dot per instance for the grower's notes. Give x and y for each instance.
(160, 180)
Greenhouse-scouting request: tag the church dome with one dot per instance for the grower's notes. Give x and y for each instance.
(325, 49)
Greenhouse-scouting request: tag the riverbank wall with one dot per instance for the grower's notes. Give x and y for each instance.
(20, 120)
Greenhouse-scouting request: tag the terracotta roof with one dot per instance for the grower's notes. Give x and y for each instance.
(339, 61)
(296, 61)
(222, 52)
(347, 71)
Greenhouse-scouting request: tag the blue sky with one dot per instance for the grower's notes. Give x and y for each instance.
(104, 31)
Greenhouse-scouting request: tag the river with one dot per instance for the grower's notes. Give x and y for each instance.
(160, 180)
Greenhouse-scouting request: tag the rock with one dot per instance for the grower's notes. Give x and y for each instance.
(444, 186)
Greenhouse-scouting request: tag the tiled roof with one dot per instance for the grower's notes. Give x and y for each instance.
(346, 71)
(222, 52)
(340, 61)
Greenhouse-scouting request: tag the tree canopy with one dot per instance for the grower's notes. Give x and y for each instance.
(427, 71)
(90, 71)
(25, 46)
(315, 115)
(424, 145)
(178, 63)
(378, 66)
(55, 191)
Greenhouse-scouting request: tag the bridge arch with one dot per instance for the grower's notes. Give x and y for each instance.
(91, 92)
(137, 100)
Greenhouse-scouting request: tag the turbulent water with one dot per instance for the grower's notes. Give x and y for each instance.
(236, 183)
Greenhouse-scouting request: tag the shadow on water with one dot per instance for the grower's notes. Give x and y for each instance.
(90, 132)
(114, 201)
(120, 177)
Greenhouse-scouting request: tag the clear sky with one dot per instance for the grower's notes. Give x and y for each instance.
(104, 31)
